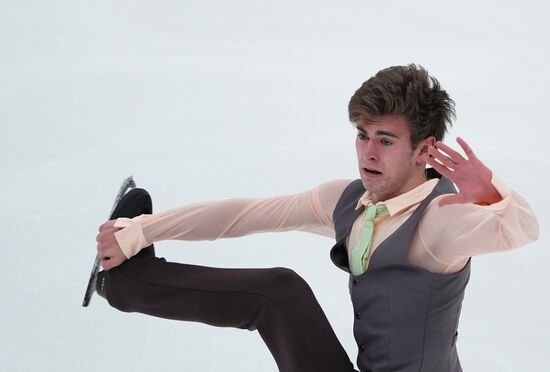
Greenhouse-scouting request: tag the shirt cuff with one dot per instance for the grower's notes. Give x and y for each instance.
(130, 239)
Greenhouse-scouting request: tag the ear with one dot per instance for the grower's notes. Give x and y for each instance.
(423, 147)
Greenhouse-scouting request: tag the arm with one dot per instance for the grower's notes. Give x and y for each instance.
(309, 211)
(484, 216)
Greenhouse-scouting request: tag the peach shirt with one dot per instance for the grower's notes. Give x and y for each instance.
(444, 240)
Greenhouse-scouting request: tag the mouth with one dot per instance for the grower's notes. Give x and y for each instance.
(371, 172)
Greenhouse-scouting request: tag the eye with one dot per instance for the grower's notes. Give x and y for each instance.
(362, 136)
(386, 142)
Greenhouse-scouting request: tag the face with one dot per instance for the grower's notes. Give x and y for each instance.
(388, 164)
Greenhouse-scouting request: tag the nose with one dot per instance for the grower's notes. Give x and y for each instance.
(367, 150)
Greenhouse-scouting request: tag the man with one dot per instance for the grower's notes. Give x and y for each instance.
(403, 233)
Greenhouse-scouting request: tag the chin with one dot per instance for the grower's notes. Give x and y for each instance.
(368, 185)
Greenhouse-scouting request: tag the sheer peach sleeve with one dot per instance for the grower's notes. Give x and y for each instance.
(456, 232)
(308, 211)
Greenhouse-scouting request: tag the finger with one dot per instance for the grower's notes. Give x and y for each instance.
(112, 262)
(455, 156)
(441, 169)
(107, 251)
(104, 253)
(467, 149)
(101, 238)
(106, 264)
(107, 237)
(448, 162)
(106, 224)
(102, 256)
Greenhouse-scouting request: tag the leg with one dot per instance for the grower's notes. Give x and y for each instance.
(276, 302)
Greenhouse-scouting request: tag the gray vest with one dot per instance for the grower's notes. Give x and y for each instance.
(406, 317)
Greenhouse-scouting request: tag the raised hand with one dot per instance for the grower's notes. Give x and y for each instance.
(470, 175)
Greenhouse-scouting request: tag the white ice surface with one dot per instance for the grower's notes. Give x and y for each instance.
(214, 99)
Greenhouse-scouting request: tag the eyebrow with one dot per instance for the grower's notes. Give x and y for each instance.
(380, 133)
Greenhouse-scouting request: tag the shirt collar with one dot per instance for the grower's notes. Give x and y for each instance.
(403, 201)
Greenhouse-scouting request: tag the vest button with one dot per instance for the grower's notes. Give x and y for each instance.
(357, 315)
(355, 282)
(362, 348)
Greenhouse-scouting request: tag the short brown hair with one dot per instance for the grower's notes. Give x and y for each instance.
(409, 91)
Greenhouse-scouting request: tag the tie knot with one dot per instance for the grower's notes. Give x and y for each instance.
(374, 211)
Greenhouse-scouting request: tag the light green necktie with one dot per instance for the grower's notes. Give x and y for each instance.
(361, 251)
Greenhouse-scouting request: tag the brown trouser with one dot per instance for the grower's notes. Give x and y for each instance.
(277, 302)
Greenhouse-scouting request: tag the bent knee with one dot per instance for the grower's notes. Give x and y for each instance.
(286, 284)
